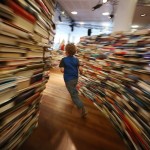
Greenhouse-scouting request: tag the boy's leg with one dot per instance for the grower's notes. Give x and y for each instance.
(71, 86)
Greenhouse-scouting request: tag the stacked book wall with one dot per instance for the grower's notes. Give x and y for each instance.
(26, 34)
(116, 78)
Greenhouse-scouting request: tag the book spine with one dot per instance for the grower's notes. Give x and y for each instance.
(20, 11)
(13, 30)
(40, 2)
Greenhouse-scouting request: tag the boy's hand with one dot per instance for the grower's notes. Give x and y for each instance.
(81, 70)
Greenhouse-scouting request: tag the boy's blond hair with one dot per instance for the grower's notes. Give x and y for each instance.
(70, 49)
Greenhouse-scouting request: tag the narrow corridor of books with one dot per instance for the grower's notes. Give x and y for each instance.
(46, 46)
(62, 128)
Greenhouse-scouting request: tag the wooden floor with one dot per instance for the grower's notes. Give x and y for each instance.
(61, 128)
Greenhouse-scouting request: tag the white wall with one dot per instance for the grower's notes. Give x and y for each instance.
(63, 32)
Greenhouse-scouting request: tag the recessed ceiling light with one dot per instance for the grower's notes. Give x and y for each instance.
(104, 1)
(106, 24)
(81, 23)
(134, 26)
(74, 12)
(143, 15)
(105, 13)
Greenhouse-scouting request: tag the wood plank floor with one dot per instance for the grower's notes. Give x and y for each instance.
(61, 128)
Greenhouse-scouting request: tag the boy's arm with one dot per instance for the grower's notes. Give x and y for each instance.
(61, 66)
(80, 69)
(62, 69)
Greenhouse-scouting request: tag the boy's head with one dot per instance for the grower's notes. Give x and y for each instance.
(70, 49)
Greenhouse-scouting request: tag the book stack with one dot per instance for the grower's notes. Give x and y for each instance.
(119, 83)
(47, 58)
(57, 55)
(26, 34)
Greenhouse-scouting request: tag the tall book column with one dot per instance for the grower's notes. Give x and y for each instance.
(116, 79)
(26, 34)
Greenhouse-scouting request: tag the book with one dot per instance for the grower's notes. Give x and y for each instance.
(8, 132)
(12, 62)
(22, 83)
(36, 78)
(5, 40)
(16, 102)
(23, 23)
(30, 45)
(18, 137)
(28, 72)
(7, 94)
(35, 60)
(41, 31)
(44, 8)
(13, 30)
(20, 11)
(13, 116)
(50, 6)
(44, 40)
(10, 55)
(34, 5)
(19, 125)
(6, 83)
(6, 12)
(27, 7)
(12, 49)
(7, 71)
(47, 54)
(36, 37)
(5, 16)
(42, 22)
(34, 54)
(44, 45)
(35, 85)
(4, 33)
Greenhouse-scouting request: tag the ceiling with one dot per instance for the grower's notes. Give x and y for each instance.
(84, 9)
(142, 21)
(86, 15)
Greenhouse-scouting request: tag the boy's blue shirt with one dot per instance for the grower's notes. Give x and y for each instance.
(70, 65)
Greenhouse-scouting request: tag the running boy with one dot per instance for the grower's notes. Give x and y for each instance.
(69, 66)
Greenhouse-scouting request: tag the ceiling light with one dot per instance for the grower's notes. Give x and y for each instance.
(81, 23)
(105, 13)
(63, 12)
(143, 15)
(104, 1)
(74, 12)
(134, 26)
(106, 24)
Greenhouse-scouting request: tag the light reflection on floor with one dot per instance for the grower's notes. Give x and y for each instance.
(65, 141)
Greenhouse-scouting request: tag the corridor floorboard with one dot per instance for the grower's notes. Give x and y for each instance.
(61, 128)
